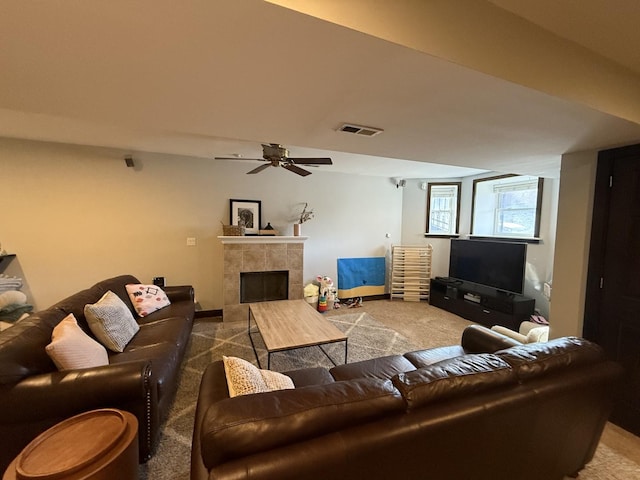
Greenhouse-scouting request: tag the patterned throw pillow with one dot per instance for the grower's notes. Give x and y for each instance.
(243, 378)
(147, 299)
(111, 321)
(71, 348)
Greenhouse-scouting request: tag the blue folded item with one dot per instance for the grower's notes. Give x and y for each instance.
(358, 277)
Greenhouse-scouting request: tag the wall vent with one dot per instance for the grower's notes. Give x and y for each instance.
(360, 130)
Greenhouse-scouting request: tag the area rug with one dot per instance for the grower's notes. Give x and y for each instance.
(368, 338)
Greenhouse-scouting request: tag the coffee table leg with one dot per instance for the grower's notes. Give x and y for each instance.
(329, 356)
(345, 350)
(255, 352)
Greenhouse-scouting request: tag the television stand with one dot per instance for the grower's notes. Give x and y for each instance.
(481, 304)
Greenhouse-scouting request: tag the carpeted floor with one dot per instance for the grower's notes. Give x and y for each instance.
(377, 328)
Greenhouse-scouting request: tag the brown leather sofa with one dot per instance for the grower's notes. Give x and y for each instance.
(142, 380)
(526, 412)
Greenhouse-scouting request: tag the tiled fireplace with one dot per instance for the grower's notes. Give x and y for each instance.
(259, 254)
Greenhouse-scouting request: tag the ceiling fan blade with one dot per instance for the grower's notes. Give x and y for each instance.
(311, 161)
(239, 158)
(259, 169)
(300, 171)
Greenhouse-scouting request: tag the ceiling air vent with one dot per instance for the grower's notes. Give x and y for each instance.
(360, 130)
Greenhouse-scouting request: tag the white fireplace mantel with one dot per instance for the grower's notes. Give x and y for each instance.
(227, 239)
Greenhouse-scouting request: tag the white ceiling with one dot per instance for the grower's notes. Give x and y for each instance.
(220, 77)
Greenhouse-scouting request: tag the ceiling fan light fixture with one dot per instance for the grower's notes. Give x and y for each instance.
(359, 130)
(275, 155)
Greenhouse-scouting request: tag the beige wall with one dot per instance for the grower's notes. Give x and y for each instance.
(75, 215)
(577, 184)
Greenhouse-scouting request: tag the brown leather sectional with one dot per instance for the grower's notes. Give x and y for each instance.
(489, 408)
(142, 380)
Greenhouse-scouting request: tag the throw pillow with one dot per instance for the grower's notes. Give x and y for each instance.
(147, 299)
(243, 378)
(111, 321)
(71, 348)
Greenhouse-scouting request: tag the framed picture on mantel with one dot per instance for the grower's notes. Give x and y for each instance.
(247, 213)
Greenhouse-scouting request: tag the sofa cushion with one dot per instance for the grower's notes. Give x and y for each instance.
(243, 378)
(235, 427)
(533, 359)
(383, 368)
(174, 309)
(424, 358)
(111, 321)
(305, 377)
(146, 299)
(458, 376)
(172, 330)
(163, 343)
(71, 348)
(76, 302)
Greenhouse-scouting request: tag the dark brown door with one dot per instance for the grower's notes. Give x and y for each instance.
(613, 291)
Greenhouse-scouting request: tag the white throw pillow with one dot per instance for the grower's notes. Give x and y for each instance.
(111, 321)
(147, 299)
(243, 378)
(71, 348)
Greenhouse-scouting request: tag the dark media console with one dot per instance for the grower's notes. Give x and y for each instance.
(478, 303)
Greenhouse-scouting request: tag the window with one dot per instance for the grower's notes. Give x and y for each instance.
(443, 208)
(507, 206)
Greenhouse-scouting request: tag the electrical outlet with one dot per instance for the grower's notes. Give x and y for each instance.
(191, 241)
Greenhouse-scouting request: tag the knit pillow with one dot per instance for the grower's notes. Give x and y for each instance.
(244, 378)
(71, 348)
(111, 321)
(147, 299)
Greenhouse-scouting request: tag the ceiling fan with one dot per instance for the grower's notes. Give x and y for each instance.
(277, 156)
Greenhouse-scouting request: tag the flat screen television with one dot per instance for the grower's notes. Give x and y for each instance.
(500, 265)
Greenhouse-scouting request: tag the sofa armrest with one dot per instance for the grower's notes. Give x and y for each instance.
(38, 402)
(534, 332)
(479, 339)
(178, 293)
(62, 394)
(510, 333)
(250, 424)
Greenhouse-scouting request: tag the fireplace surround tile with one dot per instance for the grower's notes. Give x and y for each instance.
(232, 288)
(259, 254)
(277, 260)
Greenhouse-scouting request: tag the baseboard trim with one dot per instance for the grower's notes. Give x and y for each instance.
(208, 313)
(218, 313)
(383, 296)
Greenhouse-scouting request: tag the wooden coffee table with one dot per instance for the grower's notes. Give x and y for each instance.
(291, 324)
